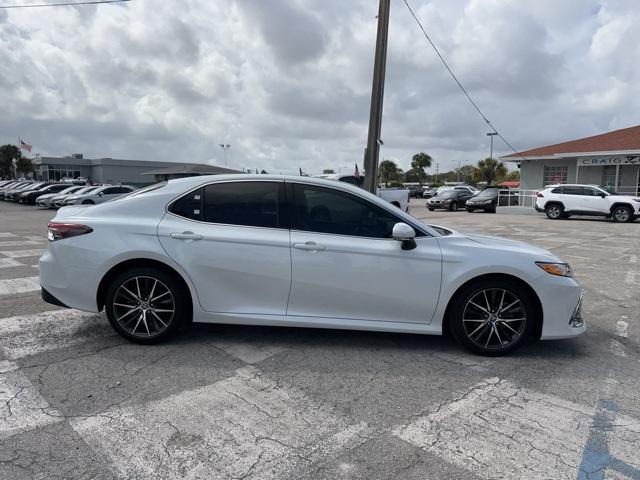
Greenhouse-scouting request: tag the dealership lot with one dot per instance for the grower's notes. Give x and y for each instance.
(77, 401)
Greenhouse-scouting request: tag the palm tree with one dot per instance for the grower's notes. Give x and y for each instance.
(388, 170)
(420, 161)
(489, 170)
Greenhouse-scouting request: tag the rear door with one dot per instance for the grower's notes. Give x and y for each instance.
(232, 239)
(572, 198)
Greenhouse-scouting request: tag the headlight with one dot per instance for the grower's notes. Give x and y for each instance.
(560, 269)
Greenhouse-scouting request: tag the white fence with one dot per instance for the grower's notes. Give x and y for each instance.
(517, 198)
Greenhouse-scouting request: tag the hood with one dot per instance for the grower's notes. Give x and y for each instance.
(47, 195)
(504, 244)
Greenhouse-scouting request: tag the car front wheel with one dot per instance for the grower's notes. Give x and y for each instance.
(453, 207)
(146, 305)
(622, 214)
(554, 212)
(492, 317)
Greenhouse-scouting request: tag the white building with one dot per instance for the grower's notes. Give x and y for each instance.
(610, 159)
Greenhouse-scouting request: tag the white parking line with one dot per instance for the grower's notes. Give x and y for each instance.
(22, 253)
(245, 426)
(21, 406)
(25, 335)
(498, 430)
(9, 263)
(15, 286)
(19, 243)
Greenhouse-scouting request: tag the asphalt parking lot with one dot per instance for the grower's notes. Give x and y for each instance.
(77, 401)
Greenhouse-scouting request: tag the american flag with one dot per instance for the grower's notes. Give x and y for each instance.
(25, 146)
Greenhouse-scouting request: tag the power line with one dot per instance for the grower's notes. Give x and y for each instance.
(446, 65)
(66, 4)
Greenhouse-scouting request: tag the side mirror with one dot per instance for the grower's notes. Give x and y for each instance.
(100, 194)
(602, 195)
(405, 234)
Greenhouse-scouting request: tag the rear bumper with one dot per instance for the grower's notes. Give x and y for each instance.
(538, 209)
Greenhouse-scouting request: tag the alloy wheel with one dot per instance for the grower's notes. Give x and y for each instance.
(621, 214)
(554, 211)
(143, 306)
(494, 319)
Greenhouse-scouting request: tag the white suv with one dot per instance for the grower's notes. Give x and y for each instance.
(562, 201)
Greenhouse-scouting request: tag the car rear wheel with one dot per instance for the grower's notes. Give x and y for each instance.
(554, 212)
(622, 214)
(492, 317)
(146, 305)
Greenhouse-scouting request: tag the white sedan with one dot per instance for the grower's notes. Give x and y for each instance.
(299, 251)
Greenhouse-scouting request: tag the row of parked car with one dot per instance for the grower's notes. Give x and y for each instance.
(472, 199)
(55, 195)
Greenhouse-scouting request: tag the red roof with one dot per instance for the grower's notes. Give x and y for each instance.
(624, 139)
(510, 184)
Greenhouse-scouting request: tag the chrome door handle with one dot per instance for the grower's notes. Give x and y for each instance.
(186, 236)
(310, 246)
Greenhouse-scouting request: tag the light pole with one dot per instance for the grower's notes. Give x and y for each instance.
(225, 147)
(491, 135)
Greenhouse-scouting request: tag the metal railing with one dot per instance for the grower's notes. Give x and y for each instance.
(517, 198)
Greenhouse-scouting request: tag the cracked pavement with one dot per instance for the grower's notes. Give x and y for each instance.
(237, 402)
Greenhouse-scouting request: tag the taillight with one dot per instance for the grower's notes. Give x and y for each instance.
(59, 231)
(539, 195)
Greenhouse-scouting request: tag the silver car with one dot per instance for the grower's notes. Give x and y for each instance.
(46, 200)
(58, 200)
(99, 195)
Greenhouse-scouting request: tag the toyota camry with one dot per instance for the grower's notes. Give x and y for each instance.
(299, 251)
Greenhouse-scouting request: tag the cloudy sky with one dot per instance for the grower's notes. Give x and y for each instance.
(287, 82)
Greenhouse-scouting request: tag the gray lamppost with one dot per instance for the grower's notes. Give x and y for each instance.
(491, 134)
(225, 147)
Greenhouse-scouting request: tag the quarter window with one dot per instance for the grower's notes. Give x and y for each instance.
(325, 210)
(188, 206)
(554, 174)
(256, 204)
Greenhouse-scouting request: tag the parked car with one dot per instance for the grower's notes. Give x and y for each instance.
(98, 195)
(429, 192)
(46, 200)
(562, 201)
(12, 195)
(9, 186)
(57, 201)
(186, 250)
(415, 191)
(395, 196)
(30, 197)
(466, 188)
(449, 200)
(490, 198)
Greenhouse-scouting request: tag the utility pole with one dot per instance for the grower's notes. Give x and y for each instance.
(437, 172)
(491, 135)
(377, 95)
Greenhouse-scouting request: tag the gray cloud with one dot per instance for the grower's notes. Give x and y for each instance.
(287, 82)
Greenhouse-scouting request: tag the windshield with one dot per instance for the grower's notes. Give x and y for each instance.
(489, 193)
(448, 193)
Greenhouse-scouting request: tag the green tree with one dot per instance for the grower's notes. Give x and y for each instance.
(420, 161)
(513, 176)
(24, 165)
(490, 170)
(415, 175)
(389, 171)
(7, 154)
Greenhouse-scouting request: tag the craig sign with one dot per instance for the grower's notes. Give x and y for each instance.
(597, 162)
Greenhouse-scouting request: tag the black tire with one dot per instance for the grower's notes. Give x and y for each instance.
(622, 214)
(491, 210)
(470, 210)
(453, 207)
(430, 209)
(471, 327)
(160, 324)
(88, 202)
(555, 211)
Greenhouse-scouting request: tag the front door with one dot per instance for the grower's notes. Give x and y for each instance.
(345, 265)
(232, 240)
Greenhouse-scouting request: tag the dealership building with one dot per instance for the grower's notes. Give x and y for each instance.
(610, 159)
(113, 170)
